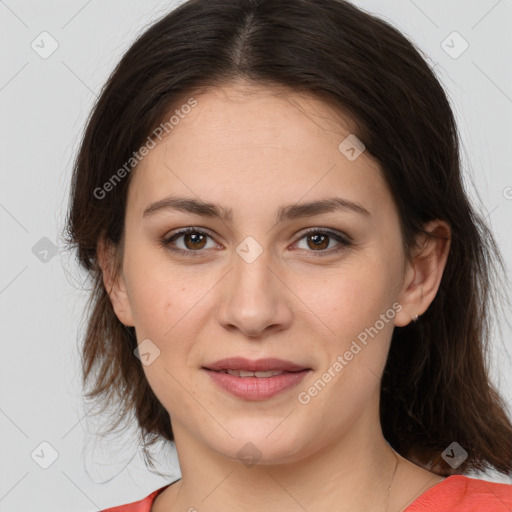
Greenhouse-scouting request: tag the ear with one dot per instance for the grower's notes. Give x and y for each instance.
(113, 280)
(424, 271)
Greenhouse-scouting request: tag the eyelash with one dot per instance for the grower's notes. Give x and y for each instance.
(343, 242)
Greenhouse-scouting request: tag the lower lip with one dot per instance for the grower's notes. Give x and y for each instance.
(255, 388)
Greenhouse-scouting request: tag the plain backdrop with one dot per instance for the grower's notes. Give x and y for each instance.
(44, 104)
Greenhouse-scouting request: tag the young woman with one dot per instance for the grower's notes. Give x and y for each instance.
(290, 281)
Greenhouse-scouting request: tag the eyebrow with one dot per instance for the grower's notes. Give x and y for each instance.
(288, 212)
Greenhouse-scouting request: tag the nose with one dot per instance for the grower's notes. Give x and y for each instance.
(255, 299)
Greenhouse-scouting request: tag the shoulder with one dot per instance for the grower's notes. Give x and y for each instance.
(143, 505)
(460, 493)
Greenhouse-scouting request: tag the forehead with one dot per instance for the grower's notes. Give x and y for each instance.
(255, 142)
(246, 115)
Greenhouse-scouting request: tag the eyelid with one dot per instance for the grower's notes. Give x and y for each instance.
(344, 241)
(328, 231)
(166, 240)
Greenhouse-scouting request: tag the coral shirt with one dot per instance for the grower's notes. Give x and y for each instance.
(456, 493)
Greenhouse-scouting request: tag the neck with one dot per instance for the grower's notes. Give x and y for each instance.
(352, 474)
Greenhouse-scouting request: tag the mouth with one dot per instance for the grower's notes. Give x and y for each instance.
(241, 364)
(245, 373)
(255, 380)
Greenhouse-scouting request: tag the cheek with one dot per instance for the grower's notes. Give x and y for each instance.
(170, 310)
(157, 294)
(351, 298)
(153, 309)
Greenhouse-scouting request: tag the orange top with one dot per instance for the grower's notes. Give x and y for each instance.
(456, 493)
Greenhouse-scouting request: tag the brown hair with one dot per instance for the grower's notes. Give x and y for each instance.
(435, 388)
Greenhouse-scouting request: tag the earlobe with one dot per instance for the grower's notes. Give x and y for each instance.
(424, 272)
(113, 281)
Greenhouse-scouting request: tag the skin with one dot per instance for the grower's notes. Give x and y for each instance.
(253, 149)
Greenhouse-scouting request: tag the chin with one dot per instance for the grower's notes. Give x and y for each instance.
(262, 446)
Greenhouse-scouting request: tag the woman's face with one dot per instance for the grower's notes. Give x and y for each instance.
(254, 284)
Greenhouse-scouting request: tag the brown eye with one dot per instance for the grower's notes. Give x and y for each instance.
(321, 241)
(188, 242)
(318, 241)
(194, 241)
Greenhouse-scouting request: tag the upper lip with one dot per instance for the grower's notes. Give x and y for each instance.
(258, 365)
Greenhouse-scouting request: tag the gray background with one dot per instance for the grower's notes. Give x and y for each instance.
(44, 103)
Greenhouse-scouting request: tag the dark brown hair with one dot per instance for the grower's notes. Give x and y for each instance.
(436, 387)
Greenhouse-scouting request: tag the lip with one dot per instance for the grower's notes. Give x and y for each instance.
(258, 365)
(255, 388)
